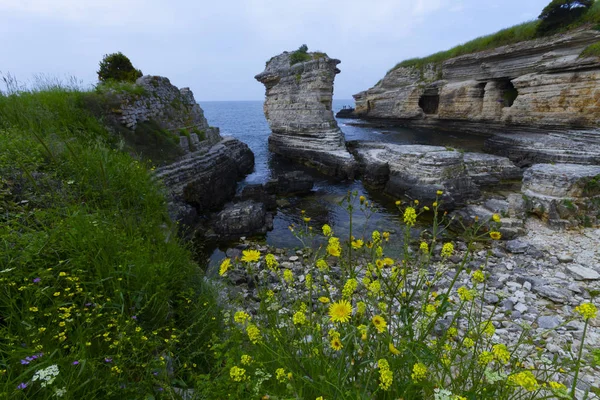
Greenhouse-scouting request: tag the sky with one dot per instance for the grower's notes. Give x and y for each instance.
(215, 47)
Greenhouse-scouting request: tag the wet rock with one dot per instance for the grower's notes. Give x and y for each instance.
(296, 182)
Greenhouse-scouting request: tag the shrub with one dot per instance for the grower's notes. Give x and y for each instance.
(118, 67)
(360, 325)
(300, 55)
(561, 13)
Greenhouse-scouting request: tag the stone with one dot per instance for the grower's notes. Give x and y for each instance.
(563, 192)
(565, 258)
(516, 246)
(549, 322)
(520, 307)
(582, 273)
(245, 218)
(558, 295)
(296, 182)
(298, 109)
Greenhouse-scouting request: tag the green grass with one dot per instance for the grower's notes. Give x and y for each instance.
(511, 35)
(593, 50)
(92, 273)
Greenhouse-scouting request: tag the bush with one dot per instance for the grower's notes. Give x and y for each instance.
(360, 325)
(560, 14)
(300, 55)
(117, 67)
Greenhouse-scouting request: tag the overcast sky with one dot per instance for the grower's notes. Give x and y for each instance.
(217, 46)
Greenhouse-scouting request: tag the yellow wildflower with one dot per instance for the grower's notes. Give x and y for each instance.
(33, 309)
(587, 310)
(224, 266)
(485, 358)
(419, 372)
(333, 247)
(430, 310)
(447, 249)
(465, 294)
(526, 380)
(376, 236)
(336, 344)
(556, 385)
(322, 265)
(340, 311)
(299, 318)
(349, 287)
(326, 230)
(495, 235)
(237, 374)
(361, 307)
(271, 261)
(357, 244)
(496, 218)
(253, 333)
(241, 317)
(386, 377)
(439, 193)
(250, 256)
(379, 323)
(280, 375)
(424, 247)
(468, 343)
(410, 216)
(487, 328)
(288, 276)
(393, 349)
(478, 276)
(375, 287)
(501, 353)
(362, 199)
(386, 236)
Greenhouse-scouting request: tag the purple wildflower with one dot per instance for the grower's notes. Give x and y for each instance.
(22, 386)
(37, 280)
(24, 362)
(75, 362)
(134, 317)
(155, 373)
(108, 360)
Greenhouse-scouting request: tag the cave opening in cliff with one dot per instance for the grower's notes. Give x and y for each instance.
(508, 91)
(430, 101)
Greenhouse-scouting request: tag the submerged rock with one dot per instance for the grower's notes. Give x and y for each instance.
(563, 194)
(298, 109)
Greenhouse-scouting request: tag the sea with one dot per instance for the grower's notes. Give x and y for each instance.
(245, 120)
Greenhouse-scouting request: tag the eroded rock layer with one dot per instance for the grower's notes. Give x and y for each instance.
(298, 109)
(541, 83)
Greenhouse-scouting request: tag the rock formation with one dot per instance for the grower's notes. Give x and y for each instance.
(298, 109)
(206, 174)
(535, 87)
(540, 83)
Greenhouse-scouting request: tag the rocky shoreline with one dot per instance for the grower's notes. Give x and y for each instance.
(534, 283)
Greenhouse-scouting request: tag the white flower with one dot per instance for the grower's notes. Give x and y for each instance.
(442, 394)
(46, 375)
(60, 392)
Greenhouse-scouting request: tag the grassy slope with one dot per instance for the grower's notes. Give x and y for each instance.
(92, 274)
(514, 34)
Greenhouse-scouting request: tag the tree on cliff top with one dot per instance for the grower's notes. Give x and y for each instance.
(561, 13)
(118, 67)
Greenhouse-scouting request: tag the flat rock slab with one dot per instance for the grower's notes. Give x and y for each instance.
(582, 273)
(490, 170)
(516, 246)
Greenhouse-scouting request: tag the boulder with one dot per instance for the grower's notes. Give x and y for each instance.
(242, 219)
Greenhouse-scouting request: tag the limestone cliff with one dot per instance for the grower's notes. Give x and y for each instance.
(542, 83)
(298, 109)
(206, 173)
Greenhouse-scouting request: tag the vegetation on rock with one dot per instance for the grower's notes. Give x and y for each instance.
(514, 34)
(300, 55)
(100, 299)
(117, 67)
(561, 13)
